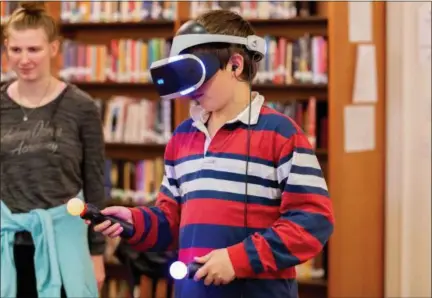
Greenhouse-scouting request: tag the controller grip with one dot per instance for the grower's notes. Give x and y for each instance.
(193, 268)
(96, 217)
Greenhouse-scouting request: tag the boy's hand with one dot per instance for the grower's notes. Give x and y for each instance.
(217, 268)
(109, 229)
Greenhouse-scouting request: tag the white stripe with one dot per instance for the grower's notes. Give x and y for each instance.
(299, 159)
(212, 184)
(239, 167)
(306, 160)
(284, 170)
(307, 180)
(223, 164)
(185, 168)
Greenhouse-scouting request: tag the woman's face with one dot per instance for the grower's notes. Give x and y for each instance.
(29, 53)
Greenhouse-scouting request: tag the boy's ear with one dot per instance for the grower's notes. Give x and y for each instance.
(236, 64)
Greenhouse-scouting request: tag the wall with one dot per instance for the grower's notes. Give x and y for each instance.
(408, 198)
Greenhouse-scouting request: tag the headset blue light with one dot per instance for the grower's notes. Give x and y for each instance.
(160, 82)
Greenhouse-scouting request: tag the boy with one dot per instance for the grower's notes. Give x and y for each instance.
(200, 209)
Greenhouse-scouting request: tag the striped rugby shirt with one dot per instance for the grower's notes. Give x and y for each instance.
(201, 203)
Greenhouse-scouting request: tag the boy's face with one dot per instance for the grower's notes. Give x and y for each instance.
(216, 93)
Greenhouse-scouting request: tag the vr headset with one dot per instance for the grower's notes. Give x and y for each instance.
(183, 73)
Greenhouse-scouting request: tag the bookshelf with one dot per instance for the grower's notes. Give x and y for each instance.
(354, 258)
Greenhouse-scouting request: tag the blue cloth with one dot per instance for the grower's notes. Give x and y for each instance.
(61, 252)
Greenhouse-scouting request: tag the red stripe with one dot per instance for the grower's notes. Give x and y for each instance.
(297, 240)
(263, 143)
(170, 208)
(301, 141)
(264, 252)
(214, 211)
(187, 255)
(311, 203)
(151, 238)
(138, 220)
(187, 144)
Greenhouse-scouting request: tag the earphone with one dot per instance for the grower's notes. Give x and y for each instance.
(234, 67)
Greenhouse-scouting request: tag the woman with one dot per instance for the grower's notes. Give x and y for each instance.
(52, 149)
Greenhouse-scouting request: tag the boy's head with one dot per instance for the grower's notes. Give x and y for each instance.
(237, 65)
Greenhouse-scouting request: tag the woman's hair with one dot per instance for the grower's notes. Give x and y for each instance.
(32, 15)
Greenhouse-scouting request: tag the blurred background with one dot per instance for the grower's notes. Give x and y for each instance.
(355, 75)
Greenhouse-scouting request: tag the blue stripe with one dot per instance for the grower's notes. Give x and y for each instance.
(306, 171)
(164, 236)
(315, 224)
(185, 127)
(169, 194)
(301, 189)
(170, 162)
(173, 183)
(223, 195)
(147, 225)
(304, 150)
(253, 256)
(212, 236)
(241, 157)
(234, 177)
(268, 122)
(285, 159)
(282, 256)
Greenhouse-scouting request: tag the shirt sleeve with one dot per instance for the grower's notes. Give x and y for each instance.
(93, 164)
(306, 216)
(157, 228)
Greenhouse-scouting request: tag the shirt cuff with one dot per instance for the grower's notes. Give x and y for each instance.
(138, 223)
(240, 261)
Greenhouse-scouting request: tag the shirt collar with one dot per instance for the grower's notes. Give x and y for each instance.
(201, 116)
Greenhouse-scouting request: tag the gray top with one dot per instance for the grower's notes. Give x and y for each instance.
(48, 159)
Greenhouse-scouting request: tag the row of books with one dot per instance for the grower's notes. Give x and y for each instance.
(136, 121)
(135, 182)
(305, 115)
(136, 11)
(294, 61)
(123, 60)
(257, 9)
(127, 60)
(116, 11)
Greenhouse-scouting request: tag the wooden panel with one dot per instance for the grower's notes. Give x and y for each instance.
(357, 179)
(312, 288)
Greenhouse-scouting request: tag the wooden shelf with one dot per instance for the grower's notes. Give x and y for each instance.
(133, 152)
(96, 32)
(270, 91)
(148, 24)
(292, 92)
